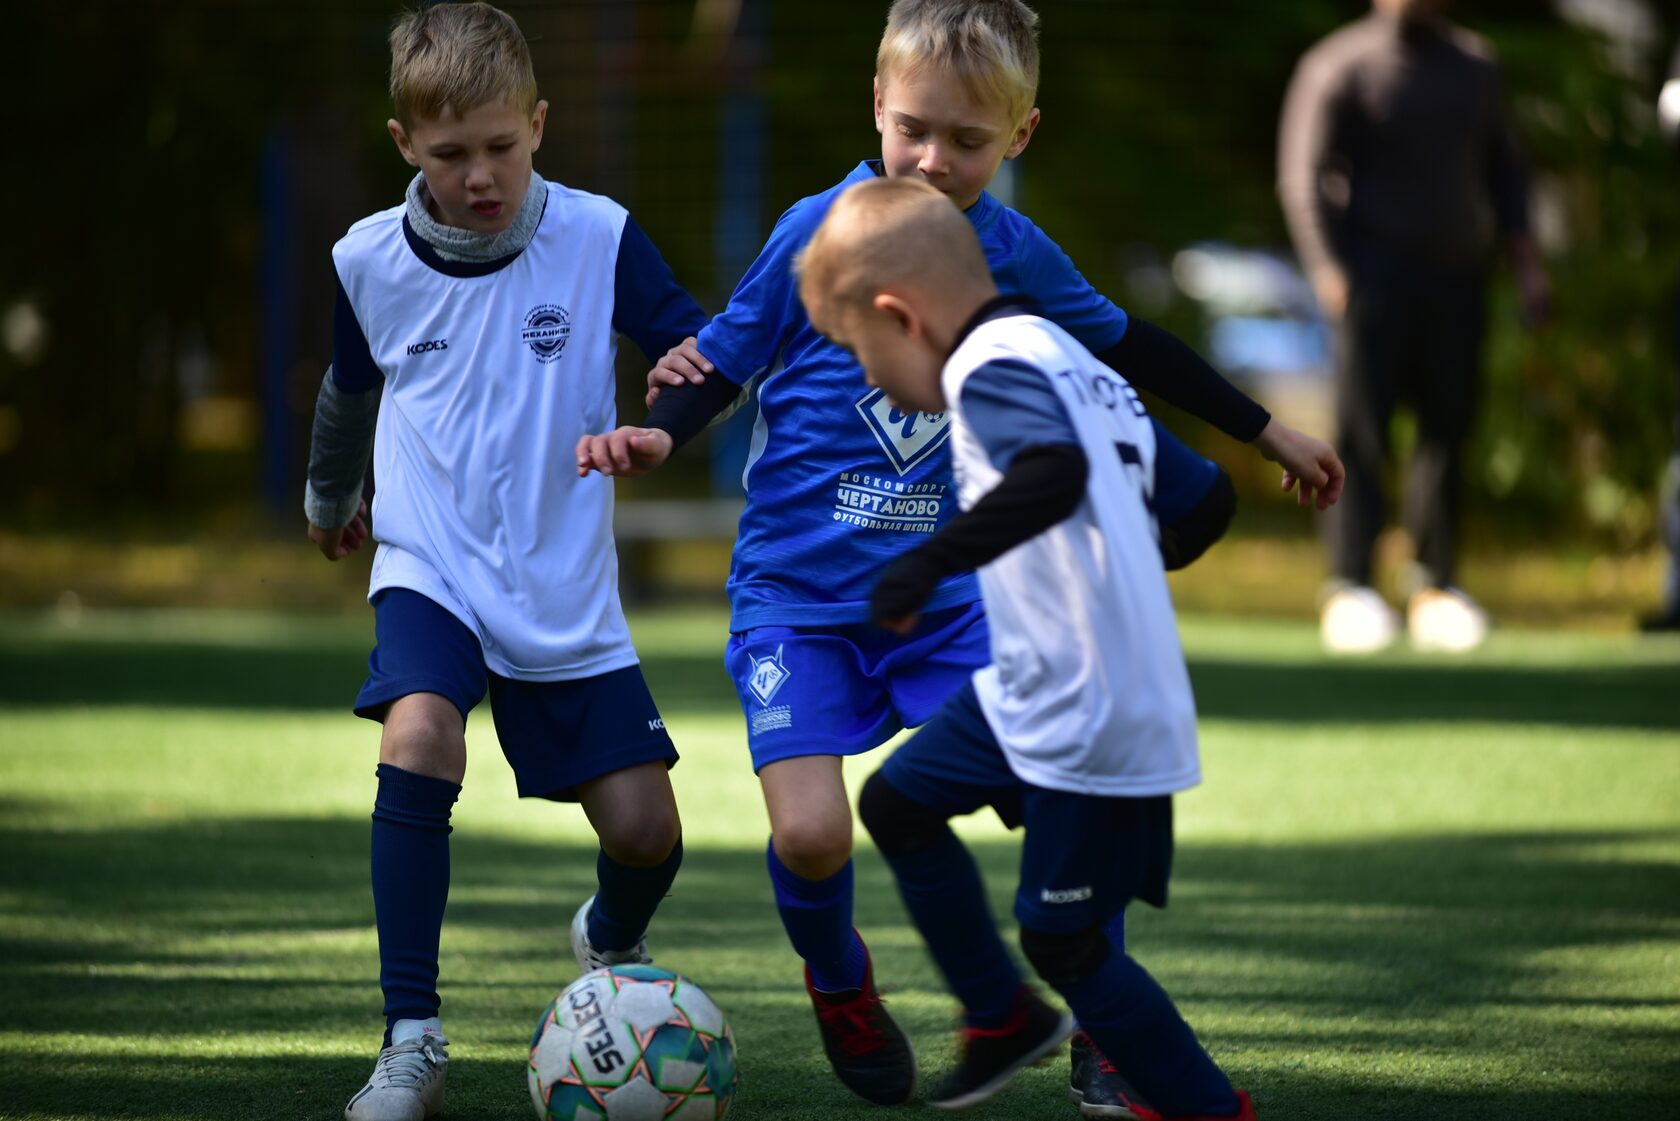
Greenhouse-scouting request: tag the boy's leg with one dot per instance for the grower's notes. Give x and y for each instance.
(1084, 856)
(634, 813)
(810, 864)
(426, 673)
(600, 741)
(422, 759)
(809, 859)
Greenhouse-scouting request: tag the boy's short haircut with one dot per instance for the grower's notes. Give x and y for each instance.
(458, 57)
(885, 233)
(990, 45)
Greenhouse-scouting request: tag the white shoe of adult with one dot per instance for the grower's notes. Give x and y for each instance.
(1356, 620)
(407, 1082)
(1445, 619)
(589, 958)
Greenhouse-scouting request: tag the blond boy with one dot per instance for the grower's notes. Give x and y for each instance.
(475, 332)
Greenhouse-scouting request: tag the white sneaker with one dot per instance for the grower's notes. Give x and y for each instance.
(1445, 619)
(589, 958)
(407, 1082)
(1356, 620)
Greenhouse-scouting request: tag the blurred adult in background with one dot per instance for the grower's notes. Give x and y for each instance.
(1667, 617)
(1400, 178)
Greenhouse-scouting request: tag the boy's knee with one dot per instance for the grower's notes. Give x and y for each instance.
(426, 735)
(1065, 960)
(814, 849)
(646, 842)
(896, 822)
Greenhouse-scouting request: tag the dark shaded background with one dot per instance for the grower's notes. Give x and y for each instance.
(179, 172)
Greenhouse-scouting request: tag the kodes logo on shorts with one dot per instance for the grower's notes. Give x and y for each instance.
(1065, 895)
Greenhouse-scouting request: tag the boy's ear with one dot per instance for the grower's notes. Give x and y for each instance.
(901, 311)
(880, 119)
(1023, 135)
(404, 144)
(538, 117)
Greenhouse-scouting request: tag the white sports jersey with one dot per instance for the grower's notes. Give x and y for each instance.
(490, 380)
(1087, 690)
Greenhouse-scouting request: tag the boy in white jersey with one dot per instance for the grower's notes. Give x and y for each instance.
(1083, 725)
(475, 331)
(839, 482)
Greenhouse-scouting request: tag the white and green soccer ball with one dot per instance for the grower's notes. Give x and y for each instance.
(632, 1043)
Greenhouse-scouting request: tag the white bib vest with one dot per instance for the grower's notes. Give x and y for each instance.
(1087, 690)
(489, 382)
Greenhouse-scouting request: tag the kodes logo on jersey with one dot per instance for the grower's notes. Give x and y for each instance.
(907, 438)
(546, 330)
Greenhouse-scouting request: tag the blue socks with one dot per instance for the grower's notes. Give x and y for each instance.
(410, 887)
(943, 892)
(1132, 1021)
(627, 898)
(818, 917)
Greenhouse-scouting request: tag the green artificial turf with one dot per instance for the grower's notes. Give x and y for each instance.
(1410, 887)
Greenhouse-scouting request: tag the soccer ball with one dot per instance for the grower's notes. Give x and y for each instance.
(632, 1043)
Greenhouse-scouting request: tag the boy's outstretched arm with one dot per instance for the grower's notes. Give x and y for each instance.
(1158, 361)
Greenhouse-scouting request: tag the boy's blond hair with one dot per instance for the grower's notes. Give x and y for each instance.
(883, 234)
(458, 57)
(990, 45)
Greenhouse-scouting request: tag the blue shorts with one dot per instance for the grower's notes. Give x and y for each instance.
(555, 734)
(843, 690)
(1085, 857)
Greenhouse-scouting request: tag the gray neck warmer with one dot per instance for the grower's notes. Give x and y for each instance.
(454, 244)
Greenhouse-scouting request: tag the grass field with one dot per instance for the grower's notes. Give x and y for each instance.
(1409, 888)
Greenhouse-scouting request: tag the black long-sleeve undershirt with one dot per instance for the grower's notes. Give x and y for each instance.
(1156, 360)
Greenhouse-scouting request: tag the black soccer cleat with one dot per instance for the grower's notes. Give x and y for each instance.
(991, 1057)
(869, 1052)
(1098, 1088)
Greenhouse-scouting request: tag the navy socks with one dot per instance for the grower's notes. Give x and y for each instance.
(627, 898)
(817, 915)
(943, 892)
(410, 887)
(1133, 1022)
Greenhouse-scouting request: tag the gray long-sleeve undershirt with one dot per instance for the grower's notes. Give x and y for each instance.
(341, 438)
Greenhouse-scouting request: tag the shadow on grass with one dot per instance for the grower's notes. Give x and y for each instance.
(299, 675)
(187, 935)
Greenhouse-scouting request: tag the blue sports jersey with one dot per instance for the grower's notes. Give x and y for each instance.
(838, 481)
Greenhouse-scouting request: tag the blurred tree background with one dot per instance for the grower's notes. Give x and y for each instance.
(180, 171)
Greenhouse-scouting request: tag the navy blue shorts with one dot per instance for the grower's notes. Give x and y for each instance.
(846, 689)
(555, 734)
(1085, 857)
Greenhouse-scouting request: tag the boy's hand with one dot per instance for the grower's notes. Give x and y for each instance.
(896, 602)
(682, 363)
(623, 451)
(336, 544)
(1305, 460)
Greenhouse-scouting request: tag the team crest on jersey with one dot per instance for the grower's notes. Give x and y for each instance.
(546, 330)
(768, 676)
(907, 438)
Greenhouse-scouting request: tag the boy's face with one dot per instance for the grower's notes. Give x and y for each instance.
(932, 128)
(477, 165)
(889, 340)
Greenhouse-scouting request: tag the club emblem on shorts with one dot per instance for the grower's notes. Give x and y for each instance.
(768, 676)
(907, 438)
(546, 330)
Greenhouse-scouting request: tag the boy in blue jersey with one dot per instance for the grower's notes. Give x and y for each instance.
(1083, 727)
(839, 481)
(473, 343)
